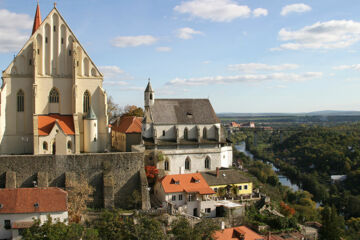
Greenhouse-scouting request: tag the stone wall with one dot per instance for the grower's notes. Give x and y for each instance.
(122, 170)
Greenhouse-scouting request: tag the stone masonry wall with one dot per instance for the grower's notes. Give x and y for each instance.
(124, 169)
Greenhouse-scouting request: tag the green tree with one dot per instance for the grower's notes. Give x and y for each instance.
(204, 230)
(331, 224)
(148, 228)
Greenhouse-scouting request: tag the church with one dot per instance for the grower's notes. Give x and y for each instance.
(51, 97)
(187, 132)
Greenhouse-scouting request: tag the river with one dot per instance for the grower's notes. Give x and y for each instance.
(282, 179)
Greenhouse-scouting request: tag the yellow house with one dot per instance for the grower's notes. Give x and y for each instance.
(228, 178)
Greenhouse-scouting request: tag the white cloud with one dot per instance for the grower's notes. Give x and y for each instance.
(133, 41)
(187, 33)
(346, 67)
(297, 8)
(253, 78)
(258, 12)
(214, 10)
(14, 30)
(254, 67)
(114, 76)
(321, 35)
(163, 49)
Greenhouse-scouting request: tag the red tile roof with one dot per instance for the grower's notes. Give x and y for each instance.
(37, 19)
(192, 182)
(128, 124)
(236, 232)
(46, 124)
(31, 200)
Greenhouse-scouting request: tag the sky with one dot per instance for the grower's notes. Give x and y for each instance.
(246, 56)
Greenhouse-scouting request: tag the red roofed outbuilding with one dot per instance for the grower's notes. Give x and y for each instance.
(19, 206)
(125, 132)
(241, 232)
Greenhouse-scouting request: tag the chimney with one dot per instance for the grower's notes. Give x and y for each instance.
(217, 172)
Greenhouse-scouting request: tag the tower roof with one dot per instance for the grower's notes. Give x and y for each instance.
(90, 115)
(37, 19)
(149, 88)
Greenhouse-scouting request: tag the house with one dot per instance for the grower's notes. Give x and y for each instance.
(18, 207)
(187, 132)
(126, 132)
(337, 178)
(239, 233)
(227, 178)
(51, 96)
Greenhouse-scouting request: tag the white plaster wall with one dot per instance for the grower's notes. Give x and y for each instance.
(226, 156)
(27, 217)
(61, 148)
(90, 135)
(170, 131)
(197, 156)
(208, 204)
(147, 130)
(177, 202)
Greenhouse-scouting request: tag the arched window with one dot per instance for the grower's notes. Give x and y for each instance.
(86, 101)
(69, 145)
(164, 132)
(205, 133)
(186, 133)
(54, 96)
(151, 96)
(20, 101)
(166, 165)
(45, 145)
(207, 162)
(187, 163)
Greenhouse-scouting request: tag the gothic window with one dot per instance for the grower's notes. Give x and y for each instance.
(207, 163)
(69, 145)
(186, 133)
(20, 101)
(45, 145)
(187, 163)
(54, 96)
(86, 101)
(204, 133)
(166, 165)
(163, 132)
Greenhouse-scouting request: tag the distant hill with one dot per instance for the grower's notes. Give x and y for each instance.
(316, 113)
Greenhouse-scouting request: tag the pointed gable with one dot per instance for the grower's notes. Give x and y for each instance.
(52, 37)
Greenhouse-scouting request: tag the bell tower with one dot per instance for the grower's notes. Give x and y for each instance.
(149, 96)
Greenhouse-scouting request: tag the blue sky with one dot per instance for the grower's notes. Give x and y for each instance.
(244, 55)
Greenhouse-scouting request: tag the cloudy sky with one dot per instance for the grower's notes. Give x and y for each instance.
(244, 55)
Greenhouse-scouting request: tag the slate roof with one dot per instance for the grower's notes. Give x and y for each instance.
(47, 122)
(183, 111)
(190, 183)
(32, 200)
(226, 177)
(148, 88)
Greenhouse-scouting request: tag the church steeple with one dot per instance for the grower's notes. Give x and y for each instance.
(149, 95)
(37, 19)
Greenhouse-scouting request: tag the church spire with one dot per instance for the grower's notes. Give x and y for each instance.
(37, 19)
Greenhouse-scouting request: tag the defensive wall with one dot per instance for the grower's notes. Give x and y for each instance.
(114, 176)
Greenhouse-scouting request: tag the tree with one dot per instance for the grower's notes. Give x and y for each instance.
(181, 229)
(113, 109)
(148, 228)
(331, 228)
(134, 200)
(132, 110)
(204, 230)
(79, 194)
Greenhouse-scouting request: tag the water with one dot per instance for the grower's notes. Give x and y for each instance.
(282, 179)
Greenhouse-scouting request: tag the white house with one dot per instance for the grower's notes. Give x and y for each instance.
(187, 132)
(19, 206)
(48, 90)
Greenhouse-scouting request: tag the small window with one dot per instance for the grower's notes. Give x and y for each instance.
(69, 52)
(77, 63)
(190, 198)
(151, 96)
(240, 187)
(207, 163)
(166, 165)
(245, 187)
(208, 210)
(186, 134)
(46, 40)
(173, 198)
(54, 28)
(54, 96)
(180, 197)
(7, 224)
(187, 163)
(164, 133)
(45, 145)
(30, 62)
(204, 133)
(94, 139)
(62, 40)
(20, 101)
(38, 51)
(69, 145)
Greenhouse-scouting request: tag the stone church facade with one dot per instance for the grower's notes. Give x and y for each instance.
(51, 98)
(187, 132)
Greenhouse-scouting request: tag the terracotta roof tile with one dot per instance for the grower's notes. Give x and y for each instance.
(30, 200)
(192, 182)
(37, 19)
(236, 232)
(46, 124)
(128, 124)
